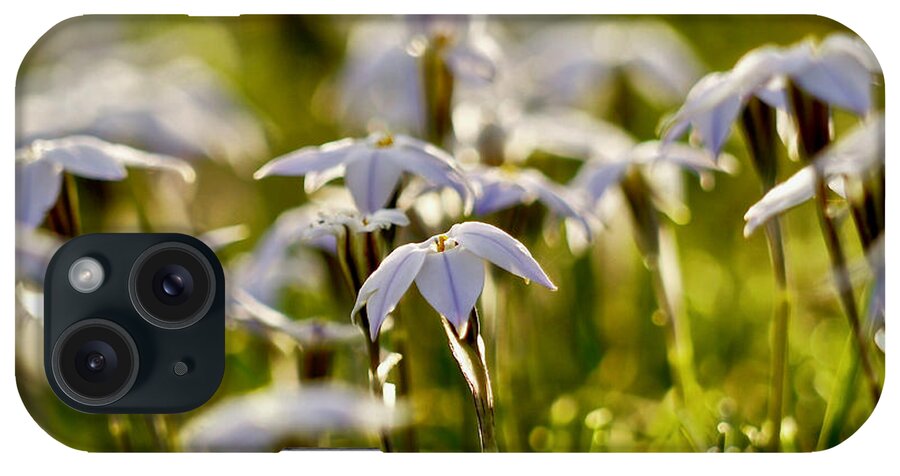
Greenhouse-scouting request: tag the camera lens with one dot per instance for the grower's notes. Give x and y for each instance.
(95, 362)
(172, 285)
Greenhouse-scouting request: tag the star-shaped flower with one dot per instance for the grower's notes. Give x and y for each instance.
(660, 163)
(838, 71)
(371, 167)
(581, 60)
(40, 166)
(382, 79)
(504, 187)
(448, 270)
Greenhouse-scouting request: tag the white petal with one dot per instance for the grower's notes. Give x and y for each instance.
(858, 152)
(596, 177)
(386, 285)
(839, 79)
(496, 246)
(711, 108)
(788, 194)
(498, 195)
(310, 159)
(432, 164)
(566, 133)
(451, 282)
(695, 159)
(84, 156)
(468, 62)
(555, 197)
(37, 188)
(318, 178)
(372, 178)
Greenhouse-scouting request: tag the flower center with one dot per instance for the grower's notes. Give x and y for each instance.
(385, 141)
(443, 243)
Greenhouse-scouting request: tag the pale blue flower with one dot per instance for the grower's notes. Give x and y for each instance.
(265, 419)
(180, 107)
(661, 164)
(577, 62)
(382, 80)
(503, 187)
(337, 223)
(371, 167)
(257, 316)
(448, 270)
(854, 155)
(838, 71)
(40, 166)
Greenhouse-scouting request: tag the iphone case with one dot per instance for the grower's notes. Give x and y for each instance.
(616, 233)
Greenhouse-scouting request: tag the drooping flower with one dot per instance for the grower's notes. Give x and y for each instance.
(308, 333)
(448, 270)
(40, 166)
(504, 187)
(371, 167)
(659, 163)
(856, 154)
(382, 80)
(837, 71)
(576, 62)
(268, 419)
(174, 105)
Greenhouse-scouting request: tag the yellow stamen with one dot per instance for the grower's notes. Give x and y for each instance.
(385, 141)
(439, 243)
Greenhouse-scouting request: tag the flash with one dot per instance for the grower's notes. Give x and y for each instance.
(86, 275)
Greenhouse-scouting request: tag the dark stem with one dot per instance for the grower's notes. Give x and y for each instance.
(813, 123)
(64, 218)
(759, 126)
(350, 267)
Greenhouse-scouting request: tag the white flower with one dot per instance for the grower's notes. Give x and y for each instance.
(308, 333)
(838, 71)
(339, 222)
(267, 419)
(448, 270)
(181, 107)
(503, 187)
(40, 167)
(371, 167)
(857, 153)
(382, 80)
(660, 163)
(582, 60)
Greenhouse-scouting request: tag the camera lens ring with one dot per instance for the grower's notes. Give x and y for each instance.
(142, 308)
(69, 389)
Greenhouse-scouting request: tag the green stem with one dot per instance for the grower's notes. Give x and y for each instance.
(841, 398)
(351, 273)
(780, 320)
(844, 285)
(468, 351)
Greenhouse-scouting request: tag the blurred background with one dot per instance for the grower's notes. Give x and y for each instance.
(582, 369)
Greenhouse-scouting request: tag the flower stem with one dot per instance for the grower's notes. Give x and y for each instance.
(759, 126)
(813, 123)
(64, 217)
(468, 351)
(349, 266)
(844, 285)
(780, 320)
